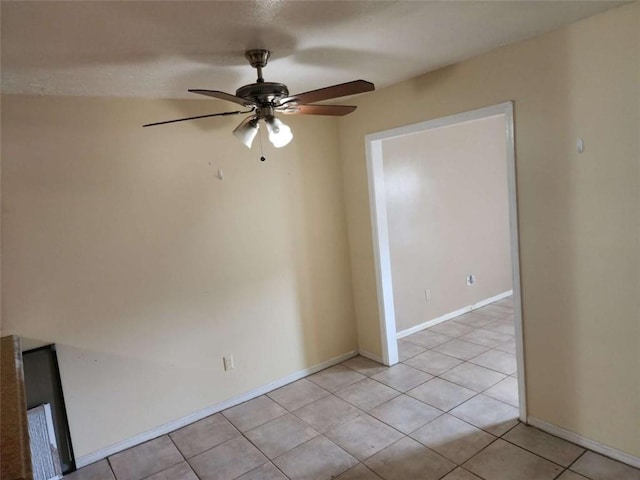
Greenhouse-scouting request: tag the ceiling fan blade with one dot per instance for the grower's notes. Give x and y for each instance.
(195, 118)
(225, 96)
(338, 110)
(335, 91)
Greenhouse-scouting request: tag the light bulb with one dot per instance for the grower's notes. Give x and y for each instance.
(279, 133)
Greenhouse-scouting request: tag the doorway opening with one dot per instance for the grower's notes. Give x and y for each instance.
(507, 301)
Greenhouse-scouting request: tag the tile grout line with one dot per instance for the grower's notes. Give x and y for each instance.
(302, 406)
(269, 459)
(562, 468)
(184, 459)
(478, 453)
(422, 444)
(471, 389)
(154, 473)
(320, 434)
(242, 435)
(559, 474)
(537, 454)
(576, 460)
(108, 459)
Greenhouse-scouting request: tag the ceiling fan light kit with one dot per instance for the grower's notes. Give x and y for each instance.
(264, 99)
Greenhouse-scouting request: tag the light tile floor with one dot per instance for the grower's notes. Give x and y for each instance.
(447, 411)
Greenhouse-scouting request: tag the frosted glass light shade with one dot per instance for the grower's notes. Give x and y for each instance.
(279, 133)
(247, 131)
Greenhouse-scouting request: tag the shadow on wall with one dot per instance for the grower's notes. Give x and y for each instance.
(317, 221)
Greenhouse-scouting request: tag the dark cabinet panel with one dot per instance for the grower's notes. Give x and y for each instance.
(42, 385)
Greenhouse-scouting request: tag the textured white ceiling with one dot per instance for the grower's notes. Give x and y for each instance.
(162, 48)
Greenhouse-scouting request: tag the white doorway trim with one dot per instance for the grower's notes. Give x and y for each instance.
(377, 200)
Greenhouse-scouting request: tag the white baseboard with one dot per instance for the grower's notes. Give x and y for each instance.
(585, 442)
(371, 356)
(432, 323)
(218, 407)
(495, 298)
(454, 314)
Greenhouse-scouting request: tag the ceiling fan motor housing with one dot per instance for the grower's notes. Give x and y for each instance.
(265, 93)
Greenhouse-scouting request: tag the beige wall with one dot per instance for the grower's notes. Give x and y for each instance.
(578, 214)
(448, 217)
(122, 247)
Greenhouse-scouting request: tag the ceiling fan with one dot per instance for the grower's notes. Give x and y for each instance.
(264, 99)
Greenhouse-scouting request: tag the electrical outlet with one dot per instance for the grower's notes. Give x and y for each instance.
(471, 279)
(427, 295)
(228, 362)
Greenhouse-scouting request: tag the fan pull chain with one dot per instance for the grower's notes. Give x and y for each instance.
(262, 159)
